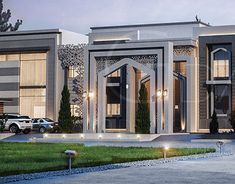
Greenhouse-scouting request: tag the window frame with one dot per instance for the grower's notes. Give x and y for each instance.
(211, 73)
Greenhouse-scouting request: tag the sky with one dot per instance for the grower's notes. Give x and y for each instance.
(80, 15)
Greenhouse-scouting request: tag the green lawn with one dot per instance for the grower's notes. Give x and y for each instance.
(18, 158)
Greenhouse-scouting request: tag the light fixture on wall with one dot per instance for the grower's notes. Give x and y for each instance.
(159, 93)
(91, 94)
(165, 93)
(86, 95)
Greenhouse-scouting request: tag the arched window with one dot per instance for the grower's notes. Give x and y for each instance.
(220, 64)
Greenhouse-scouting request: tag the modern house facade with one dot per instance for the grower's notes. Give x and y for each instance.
(31, 77)
(186, 67)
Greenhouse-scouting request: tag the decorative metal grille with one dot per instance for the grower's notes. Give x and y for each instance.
(73, 56)
(147, 60)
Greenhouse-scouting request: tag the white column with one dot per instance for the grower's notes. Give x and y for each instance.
(168, 85)
(130, 111)
(85, 89)
(152, 102)
(192, 91)
(92, 100)
(101, 103)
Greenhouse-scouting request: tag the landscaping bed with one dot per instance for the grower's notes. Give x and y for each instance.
(20, 158)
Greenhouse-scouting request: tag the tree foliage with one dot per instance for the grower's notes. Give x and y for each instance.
(65, 119)
(214, 124)
(3, 120)
(143, 113)
(4, 20)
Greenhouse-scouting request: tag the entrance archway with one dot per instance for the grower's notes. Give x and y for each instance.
(130, 67)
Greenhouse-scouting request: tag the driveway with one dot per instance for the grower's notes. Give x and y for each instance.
(216, 170)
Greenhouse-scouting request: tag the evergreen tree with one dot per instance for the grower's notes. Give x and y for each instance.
(214, 125)
(4, 20)
(65, 119)
(143, 114)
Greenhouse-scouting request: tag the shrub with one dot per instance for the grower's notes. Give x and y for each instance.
(214, 125)
(232, 120)
(142, 114)
(3, 121)
(65, 119)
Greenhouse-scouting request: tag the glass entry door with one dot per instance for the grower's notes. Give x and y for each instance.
(179, 123)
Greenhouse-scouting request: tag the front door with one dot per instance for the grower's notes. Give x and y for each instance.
(179, 124)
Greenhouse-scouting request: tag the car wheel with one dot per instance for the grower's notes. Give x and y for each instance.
(42, 130)
(14, 129)
(26, 131)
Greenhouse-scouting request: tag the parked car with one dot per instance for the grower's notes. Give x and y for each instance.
(43, 124)
(16, 123)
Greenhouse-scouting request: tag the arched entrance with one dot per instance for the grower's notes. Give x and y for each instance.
(122, 80)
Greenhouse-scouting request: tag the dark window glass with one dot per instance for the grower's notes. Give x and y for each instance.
(222, 98)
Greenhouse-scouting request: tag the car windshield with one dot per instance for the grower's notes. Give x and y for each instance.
(24, 117)
(48, 120)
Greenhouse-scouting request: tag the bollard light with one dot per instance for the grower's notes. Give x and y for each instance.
(119, 136)
(70, 154)
(100, 136)
(82, 136)
(138, 136)
(45, 135)
(165, 149)
(63, 136)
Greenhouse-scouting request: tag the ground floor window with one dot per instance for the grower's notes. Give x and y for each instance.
(221, 102)
(33, 102)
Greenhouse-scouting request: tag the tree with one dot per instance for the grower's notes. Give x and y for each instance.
(142, 114)
(214, 125)
(65, 119)
(232, 120)
(4, 20)
(3, 120)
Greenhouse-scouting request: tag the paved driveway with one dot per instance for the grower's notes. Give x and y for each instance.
(216, 170)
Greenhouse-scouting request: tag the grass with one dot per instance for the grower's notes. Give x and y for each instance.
(19, 158)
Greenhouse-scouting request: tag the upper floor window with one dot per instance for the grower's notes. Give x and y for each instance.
(220, 63)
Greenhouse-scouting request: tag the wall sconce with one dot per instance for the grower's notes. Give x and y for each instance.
(159, 93)
(86, 95)
(165, 93)
(91, 94)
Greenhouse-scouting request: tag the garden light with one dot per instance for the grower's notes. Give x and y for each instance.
(82, 136)
(45, 135)
(165, 149)
(63, 136)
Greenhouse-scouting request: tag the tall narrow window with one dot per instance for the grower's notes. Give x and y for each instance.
(220, 64)
(222, 99)
(33, 85)
(220, 89)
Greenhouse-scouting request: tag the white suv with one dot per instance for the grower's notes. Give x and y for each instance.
(16, 123)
